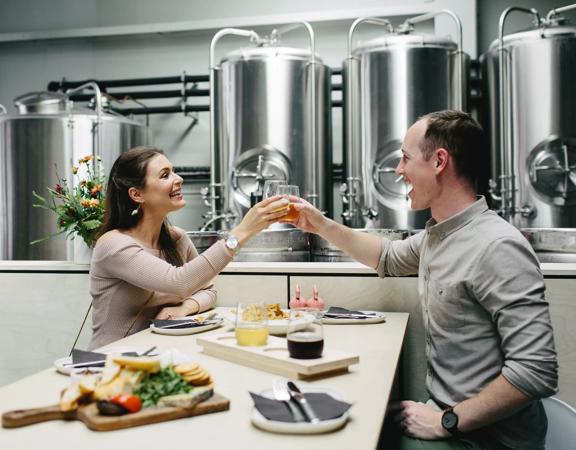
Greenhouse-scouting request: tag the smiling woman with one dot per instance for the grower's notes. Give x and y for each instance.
(142, 267)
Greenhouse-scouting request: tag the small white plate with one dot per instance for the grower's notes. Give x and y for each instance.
(277, 327)
(61, 363)
(185, 331)
(323, 426)
(379, 317)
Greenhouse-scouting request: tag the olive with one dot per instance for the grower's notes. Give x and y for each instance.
(107, 408)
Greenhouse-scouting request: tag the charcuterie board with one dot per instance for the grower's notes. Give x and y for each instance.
(89, 415)
(274, 357)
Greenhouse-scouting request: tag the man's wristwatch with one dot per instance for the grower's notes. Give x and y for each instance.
(450, 422)
(232, 244)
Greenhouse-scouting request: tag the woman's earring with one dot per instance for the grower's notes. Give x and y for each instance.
(136, 211)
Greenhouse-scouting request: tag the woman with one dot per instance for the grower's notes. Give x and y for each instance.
(143, 268)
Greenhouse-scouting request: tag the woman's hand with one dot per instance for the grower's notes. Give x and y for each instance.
(309, 218)
(184, 309)
(259, 217)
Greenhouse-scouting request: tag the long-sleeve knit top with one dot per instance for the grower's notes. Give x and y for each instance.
(130, 283)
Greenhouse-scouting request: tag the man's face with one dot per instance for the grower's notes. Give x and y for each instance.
(419, 174)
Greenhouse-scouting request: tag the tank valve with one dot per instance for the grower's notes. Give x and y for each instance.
(528, 211)
(370, 213)
(205, 193)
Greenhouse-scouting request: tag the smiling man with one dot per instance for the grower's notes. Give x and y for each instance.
(489, 341)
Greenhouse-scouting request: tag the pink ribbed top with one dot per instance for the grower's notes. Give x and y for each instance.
(130, 283)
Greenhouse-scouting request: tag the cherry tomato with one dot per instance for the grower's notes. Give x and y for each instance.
(132, 403)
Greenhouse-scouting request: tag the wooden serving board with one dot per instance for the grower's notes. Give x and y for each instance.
(274, 357)
(93, 420)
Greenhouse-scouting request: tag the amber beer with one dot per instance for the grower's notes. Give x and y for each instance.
(291, 191)
(301, 346)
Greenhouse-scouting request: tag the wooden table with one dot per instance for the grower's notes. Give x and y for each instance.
(367, 386)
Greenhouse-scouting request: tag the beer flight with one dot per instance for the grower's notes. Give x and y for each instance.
(304, 334)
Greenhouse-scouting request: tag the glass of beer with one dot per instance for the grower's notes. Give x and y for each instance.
(271, 187)
(293, 191)
(305, 334)
(251, 324)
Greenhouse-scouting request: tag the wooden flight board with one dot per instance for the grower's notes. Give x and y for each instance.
(88, 414)
(274, 357)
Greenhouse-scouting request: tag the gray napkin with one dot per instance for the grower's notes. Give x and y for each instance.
(176, 324)
(82, 357)
(336, 312)
(325, 406)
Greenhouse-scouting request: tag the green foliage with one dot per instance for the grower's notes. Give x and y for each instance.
(160, 384)
(80, 208)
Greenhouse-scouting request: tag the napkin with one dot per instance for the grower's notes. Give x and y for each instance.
(337, 312)
(325, 406)
(176, 324)
(81, 357)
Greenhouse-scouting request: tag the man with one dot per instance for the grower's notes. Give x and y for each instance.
(489, 342)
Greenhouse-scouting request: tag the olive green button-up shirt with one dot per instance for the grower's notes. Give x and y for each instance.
(485, 314)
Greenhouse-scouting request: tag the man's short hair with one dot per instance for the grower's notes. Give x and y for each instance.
(461, 136)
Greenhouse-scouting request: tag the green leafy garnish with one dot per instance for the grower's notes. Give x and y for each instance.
(160, 384)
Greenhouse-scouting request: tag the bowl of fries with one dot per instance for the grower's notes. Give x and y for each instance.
(278, 318)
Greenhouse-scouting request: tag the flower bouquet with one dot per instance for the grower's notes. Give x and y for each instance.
(79, 208)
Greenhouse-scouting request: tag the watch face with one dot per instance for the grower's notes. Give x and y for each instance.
(232, 243)
(449, 420)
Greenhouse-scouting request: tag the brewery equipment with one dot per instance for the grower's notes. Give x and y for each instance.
(532, 121)
(49, 134)
(389, 83)
(270, 119)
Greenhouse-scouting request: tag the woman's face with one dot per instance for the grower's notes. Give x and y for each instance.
(162, 191)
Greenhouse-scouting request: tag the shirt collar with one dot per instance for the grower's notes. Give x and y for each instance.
(444, 229)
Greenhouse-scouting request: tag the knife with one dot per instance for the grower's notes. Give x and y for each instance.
(299, 398)
(189, 322)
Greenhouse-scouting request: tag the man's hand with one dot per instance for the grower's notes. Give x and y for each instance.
(309, 219)
(420, 421)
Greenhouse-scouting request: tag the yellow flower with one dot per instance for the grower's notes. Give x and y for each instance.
(74, 170)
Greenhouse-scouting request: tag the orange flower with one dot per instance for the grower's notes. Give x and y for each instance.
(85, 159)
(85, 202)
(96, 189)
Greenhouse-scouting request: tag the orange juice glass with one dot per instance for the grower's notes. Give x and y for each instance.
(251, 324)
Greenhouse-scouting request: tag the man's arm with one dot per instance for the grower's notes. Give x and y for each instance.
(363, 247)
(495, 402)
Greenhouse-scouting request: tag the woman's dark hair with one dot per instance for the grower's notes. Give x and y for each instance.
(129, 170)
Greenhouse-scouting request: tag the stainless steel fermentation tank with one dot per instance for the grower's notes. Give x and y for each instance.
(270, 119)
(389, 83)
(531, 118)
(49, 134)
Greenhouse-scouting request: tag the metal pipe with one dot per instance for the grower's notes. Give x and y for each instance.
(3, 109)
(162, 110)
(148, 94)
(63, 85)
(556, 11)
(353, 176)
(370, 20)
(507, 182)
(97, 129)
(215, 163)
(312, 196)
(459, 51)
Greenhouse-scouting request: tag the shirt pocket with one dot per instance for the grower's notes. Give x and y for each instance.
(446, 304)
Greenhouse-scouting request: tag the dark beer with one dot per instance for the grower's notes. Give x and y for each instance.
(305, 348)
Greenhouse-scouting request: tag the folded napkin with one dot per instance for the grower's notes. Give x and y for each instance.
(343, 313)
(81, 356)
(325, 406)
(176, 324)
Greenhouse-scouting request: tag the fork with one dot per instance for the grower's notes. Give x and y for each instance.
(281, 393)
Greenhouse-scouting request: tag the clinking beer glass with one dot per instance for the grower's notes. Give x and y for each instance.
(290, 191)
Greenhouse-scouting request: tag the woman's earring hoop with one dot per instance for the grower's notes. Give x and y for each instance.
(136, 211)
